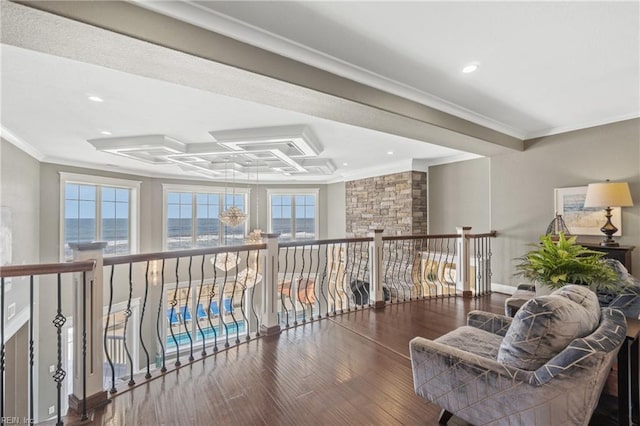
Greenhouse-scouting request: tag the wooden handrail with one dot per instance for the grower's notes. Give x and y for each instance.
(418, 237)
(324, 242)
(146, 257)
(46, 268)
(491, 234)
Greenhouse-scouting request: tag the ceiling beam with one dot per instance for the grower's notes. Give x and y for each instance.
(240, 70)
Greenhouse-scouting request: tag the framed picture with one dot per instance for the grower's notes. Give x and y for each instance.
(583, 220)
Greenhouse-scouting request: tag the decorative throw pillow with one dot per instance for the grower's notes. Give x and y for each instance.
(545, 325)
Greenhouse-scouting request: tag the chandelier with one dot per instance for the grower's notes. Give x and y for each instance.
(232, 216)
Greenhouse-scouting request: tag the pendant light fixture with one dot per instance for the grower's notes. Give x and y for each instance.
(232, 216)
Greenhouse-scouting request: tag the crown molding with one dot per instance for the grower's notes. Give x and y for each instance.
(203, 17)
(14, 139)
(585, 125)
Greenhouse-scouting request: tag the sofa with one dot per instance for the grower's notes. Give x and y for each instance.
(546, 366)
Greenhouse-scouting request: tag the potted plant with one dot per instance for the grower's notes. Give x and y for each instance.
(553, 264)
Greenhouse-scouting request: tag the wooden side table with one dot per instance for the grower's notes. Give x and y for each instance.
(620, 253)
(628, 370)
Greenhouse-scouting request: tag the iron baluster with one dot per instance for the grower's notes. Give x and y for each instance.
(2, 349)
(212, 298)
(318, 287)
(174, 314)
(127, 315)
(144, 307)
(159, 321)
(59, 374)
(300, 278)
(186, 309)
(106, 331)
(253, 293)
(222, 292)
(84, 417)
(233, 293)
(199, 306)
(31, 348)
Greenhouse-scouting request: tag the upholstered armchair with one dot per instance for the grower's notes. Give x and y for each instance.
(546, 366)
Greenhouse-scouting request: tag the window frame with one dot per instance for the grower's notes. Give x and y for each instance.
(201, 189)
(293, 192)
(102, 181)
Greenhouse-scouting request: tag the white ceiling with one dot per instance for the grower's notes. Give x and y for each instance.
(544, 68)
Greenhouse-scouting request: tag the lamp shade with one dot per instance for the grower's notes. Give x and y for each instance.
(608, 194)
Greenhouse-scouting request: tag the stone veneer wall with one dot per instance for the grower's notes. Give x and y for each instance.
(396, 203)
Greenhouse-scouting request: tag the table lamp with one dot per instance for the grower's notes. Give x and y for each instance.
(608, 194)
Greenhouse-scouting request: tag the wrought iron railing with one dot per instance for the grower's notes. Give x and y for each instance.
(138, 316)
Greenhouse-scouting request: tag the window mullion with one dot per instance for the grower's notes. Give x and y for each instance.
(220, 224)
(293, 217)
(98, 231)
(194, 219)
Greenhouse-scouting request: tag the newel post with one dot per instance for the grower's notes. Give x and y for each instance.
(270, 325)
(463, 277)
(375, 256)
(88, 392)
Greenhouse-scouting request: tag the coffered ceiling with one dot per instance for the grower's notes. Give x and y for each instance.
(543, 68)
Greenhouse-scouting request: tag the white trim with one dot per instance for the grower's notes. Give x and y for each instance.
(166, 187)
(584, 125)
(501, 288)
(12, 138)
(201, 189)
(134, 203)
(293, 192)
(212, 20)
(16, 323)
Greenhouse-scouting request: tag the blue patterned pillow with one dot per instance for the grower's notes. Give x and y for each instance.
(545, 325)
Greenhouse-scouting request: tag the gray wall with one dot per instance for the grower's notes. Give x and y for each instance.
(336, 218)
(19, 199)
(459, 195)
(521, 199)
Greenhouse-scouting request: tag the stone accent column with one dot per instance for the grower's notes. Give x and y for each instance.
(396, 203)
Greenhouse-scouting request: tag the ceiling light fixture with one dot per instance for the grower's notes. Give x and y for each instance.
(94, 98)
(389, 152)
(345, 164)
(470, 68)
(233, 216)
(106, 133)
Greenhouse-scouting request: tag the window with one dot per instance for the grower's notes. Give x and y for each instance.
(193, 217)
(293, 214)
(98, 209)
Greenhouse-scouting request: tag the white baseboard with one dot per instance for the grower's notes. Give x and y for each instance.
(501, 288)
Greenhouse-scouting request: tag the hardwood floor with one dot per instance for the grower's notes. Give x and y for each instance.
(351, 369)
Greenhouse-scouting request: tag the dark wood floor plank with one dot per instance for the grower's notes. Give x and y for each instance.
(352, 369)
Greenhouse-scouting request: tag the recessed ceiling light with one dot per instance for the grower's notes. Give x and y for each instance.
(106, 133)
(345, 164)
(470, 68)
(390, 152)
(94, 98)
(277, 169)
(287, 174)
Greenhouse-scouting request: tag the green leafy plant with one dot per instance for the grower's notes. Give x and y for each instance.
(561, 262)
